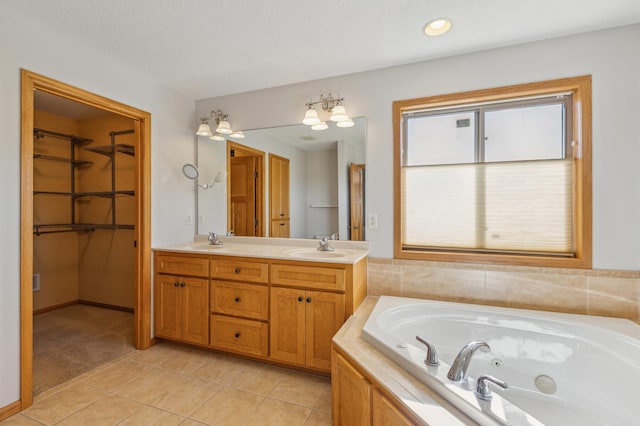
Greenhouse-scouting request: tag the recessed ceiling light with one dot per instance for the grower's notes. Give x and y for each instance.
(437, 27)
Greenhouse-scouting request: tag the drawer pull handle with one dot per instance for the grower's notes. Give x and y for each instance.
(237, 271)
(237, 299)
(237, 334)
(308, 300)
(299, 298)
(176, 284)
(182, 284)
(282, 224)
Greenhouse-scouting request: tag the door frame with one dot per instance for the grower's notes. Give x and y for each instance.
(260, 185)
(31, 81)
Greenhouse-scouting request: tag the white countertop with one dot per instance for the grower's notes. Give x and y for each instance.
(349, 252)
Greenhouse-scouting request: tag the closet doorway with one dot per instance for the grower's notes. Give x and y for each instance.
(56, 152)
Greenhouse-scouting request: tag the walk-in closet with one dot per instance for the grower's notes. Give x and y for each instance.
(84, 214)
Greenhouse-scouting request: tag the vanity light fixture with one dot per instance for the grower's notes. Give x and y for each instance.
(331, 105)
(437, 27)
(223, 127)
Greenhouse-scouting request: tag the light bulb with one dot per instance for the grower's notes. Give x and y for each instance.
(345, 123)
(311, 117)
(437, 27)
(320, 126)
(204, 130)
(224, 127)
(338, 113)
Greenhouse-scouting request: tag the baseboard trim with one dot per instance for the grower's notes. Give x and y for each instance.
(105, 305)
(54, 307)
(9, 410)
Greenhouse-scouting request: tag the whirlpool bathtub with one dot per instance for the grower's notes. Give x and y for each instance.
(561, 369)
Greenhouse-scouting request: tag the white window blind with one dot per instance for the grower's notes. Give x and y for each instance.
(520, 206)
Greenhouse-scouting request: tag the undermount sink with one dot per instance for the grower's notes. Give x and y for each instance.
(314, 254)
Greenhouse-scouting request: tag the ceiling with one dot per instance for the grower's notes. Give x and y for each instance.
(208, 48)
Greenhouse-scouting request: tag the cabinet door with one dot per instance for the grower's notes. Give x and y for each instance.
(279, 229)
(278, 187)
(195, 310)
(385, 413)
(351, 395)
(324, 316)
(167, 306)
(287, 324)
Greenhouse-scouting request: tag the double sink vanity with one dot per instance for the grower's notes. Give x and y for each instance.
(274, 299)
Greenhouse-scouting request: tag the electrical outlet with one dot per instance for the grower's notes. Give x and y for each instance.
(188, 219)
(372, 221)
(201, 219)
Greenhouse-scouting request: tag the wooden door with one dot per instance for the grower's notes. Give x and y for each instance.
(167, 306)
(385, 413)
(242, 196)
(351, 394)
(324, 316)
(194, 296)
(279, 206)
(287, 324)
(356, 201)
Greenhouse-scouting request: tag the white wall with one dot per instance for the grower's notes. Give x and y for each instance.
(612, 57)
(322, 190)
(46, 51)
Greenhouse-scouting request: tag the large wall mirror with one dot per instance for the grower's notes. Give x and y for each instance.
(312, 182)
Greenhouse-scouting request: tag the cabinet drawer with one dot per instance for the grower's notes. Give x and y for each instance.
(240, 335)
(256, 272)
(178, 265)
(313, 277)
(244, 300)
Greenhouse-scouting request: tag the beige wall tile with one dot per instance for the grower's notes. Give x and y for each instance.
(443, 284)
(613, 297)
(384, 279)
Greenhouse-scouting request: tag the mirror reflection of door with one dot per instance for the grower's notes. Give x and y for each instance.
(356, 201)
(245, 188)
(279, 216)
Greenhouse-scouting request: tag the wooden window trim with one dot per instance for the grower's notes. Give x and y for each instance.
(581, 89)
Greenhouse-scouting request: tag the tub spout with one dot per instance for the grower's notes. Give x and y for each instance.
(458, 370)
(432, 355)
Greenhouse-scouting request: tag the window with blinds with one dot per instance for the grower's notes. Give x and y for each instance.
(501, 177)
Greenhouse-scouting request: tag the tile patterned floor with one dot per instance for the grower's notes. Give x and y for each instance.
(170, 384)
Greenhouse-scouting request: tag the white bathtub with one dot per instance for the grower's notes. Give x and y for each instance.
(593, 361)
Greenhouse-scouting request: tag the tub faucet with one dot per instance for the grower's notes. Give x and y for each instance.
(432, 355)
(324, 245)
(214, 240)
(482, 387)
(458, 370)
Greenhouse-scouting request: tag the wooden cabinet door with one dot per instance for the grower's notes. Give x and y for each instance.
(278, 187)
(194, 303)
(385, 413)
(324, 316)
(287, 324)
(351, 394)
(279, 229)
(167, 306)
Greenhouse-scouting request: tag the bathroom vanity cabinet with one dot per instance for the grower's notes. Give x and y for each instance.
(286, 311)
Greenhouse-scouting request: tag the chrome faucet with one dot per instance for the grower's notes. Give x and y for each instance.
(458, 370)
(324, 245)
(482, 387)
(432, 356)
(214, 240)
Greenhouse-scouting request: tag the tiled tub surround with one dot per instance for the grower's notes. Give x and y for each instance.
(592, 292)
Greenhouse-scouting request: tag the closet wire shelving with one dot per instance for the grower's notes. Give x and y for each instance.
(107, 150)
